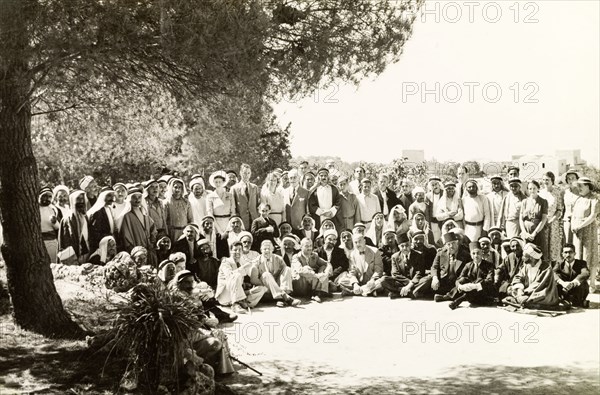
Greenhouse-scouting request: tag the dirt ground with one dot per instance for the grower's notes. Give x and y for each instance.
(352, 346)
(382, 346)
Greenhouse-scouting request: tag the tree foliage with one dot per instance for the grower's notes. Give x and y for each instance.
(209, 55)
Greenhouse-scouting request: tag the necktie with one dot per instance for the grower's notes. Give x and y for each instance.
(247, 191)
(292, 194)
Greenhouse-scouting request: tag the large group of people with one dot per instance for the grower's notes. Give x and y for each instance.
(309, 234)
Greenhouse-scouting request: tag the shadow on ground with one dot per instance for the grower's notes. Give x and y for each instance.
(286, 377)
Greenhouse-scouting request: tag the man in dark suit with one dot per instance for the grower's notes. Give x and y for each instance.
(405, 196)
(475, 283)
(387, 197)
(572, 277)
(509, 268)
(263, 227)
(245, 196)
(407, 270)
(101, 218)
(297, 199)
(187, 244)
(445, 270)
(334, 255)
(324, 200)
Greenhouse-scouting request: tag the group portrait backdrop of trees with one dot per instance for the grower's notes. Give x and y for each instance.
(123, 87)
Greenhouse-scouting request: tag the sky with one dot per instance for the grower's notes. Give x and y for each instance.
(512, 78)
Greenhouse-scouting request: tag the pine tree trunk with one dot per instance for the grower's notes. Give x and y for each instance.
(36, 304)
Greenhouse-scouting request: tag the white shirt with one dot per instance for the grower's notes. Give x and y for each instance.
(369, 206)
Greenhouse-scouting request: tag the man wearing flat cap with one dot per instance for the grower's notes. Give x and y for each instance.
(188, 245)
(324, 199)
(534, 286)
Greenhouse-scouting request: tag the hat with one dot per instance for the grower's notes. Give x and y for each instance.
(183, 274)
(512, 168)
(417, 233)
(417, 190)
(165, 263)
(448, 237)
(330, 232)
(518, 240)
(293, 239)
(149, 183)
(402, 238)
(342, 177)
(323, 169)
(231, 172)
(584, 181)
(85, 182)
(457, 231)
(106, 189)
(572, 171)
(159, 241)
(514, 180)
(45, 190)
(244, 234)
(216, 174)
(471, 180)
(198, 180)
(193, 226)
(484, 239)
(119, 184)
(449, 183)
(494, 229)
(138, 250)
(335, 173)
(389, 230)
(208, 217)
(133, 191)
(177, 257)
(166, 178)
(532, 250)
(495, 177)
(359, 225)
(203, 241)
(365, 180)
(434, 178)
(474, 246)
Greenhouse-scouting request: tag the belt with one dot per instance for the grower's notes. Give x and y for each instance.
(278, 213)
(366, 222)
(222, 216)
(47, 236)
(474, 223)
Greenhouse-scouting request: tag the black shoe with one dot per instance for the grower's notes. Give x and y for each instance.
(453, 305)
(441, 298)
(224, 317)
(394, 295)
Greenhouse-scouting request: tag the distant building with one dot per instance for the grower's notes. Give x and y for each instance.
(415, 156)
(533, 167)
(572, 157)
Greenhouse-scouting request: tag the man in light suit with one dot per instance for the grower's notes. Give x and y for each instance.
(366, 267)
(271, 271)
(310, 274)
(296, 200)
(245, 196)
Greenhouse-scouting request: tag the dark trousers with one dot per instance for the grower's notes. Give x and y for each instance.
(393, 284)
(423, 288)
(576, 295)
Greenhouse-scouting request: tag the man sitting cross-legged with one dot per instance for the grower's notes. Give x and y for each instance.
(407, 269)
(233, 284)
(310, 273)
(572, 277)
(271, 271)
(475, 283)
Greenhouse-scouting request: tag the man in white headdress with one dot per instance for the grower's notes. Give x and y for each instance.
(101, 218)
(177, 208)
(73, 234)
(135, 227)
(50, 222)
(197, 199)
